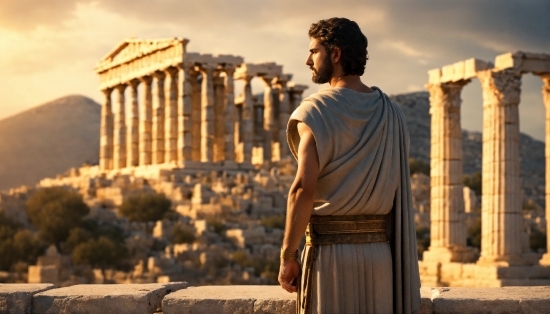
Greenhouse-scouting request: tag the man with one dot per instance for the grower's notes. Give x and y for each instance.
(351, 194)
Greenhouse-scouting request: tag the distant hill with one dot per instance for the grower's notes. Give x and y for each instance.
(416, 106)
(48, 140)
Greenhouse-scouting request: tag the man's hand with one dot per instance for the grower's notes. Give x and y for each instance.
(288, 271)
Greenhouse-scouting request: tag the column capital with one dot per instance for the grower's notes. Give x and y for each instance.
(134, 83)
(500, 88)
(107, 91)
(121, 87)
(159, 75)
(267, 79)
(147, 79)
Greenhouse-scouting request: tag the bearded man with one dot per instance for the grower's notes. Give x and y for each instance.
(352, 192)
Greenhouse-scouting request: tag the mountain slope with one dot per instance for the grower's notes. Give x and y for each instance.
(48, 140)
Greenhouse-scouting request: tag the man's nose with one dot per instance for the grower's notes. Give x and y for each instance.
(309, 62)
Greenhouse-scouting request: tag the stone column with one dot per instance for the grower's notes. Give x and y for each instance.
(195, 116)
(171, 116)
(247, 121)
(146, 123)
(106, 140)
(119, 142)
(158, 119)
(207, 113)
(133, 130)
(219, 118)
(184, 114)
(546, 98)
(447, 225)
(501, 214)
(269, 119)
(284, 115)
(229, 114)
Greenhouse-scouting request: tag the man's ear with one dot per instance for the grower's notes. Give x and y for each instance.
(336, 55)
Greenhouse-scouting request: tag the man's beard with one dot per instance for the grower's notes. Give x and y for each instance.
(324, 73)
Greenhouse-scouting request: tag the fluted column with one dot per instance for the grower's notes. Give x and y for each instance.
(158, 118)
(546, 98)
(146, 123)
(195, 116)
(247, 121)
(229, 115)
(106, 140)
(119, 142)
(207, 113)
(501, 216)
(219, 118)
(133, 129)
(269, 119)
(184, 114)
(447, 225)
(171, 116)
(284, 115)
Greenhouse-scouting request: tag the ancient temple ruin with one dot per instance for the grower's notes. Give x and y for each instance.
(182, 110)
(502, 244)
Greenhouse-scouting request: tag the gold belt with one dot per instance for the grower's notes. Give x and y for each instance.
(324, 230)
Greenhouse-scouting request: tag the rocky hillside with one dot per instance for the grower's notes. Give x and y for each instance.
(416, 108)
(48, 140)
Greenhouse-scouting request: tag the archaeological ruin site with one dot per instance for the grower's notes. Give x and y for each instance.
(172, 122)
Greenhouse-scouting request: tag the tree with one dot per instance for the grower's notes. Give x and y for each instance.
(17, 244)
(145, 207)
(54, 211)
(418, 166)
(473, 182)
(100, 253)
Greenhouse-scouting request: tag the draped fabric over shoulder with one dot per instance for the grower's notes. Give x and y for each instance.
(363, 148)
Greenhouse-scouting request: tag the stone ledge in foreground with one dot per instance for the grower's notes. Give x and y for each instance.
(230, 299)
(104, 299)
(17, 298)
(491, 300)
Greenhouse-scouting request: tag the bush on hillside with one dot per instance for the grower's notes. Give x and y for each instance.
(54, 212)
(145, 207)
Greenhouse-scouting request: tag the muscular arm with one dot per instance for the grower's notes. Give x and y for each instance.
(300, 203)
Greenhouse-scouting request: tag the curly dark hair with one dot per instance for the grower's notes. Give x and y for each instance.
(346, 35)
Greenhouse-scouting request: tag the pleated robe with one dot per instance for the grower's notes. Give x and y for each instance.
(363, 147)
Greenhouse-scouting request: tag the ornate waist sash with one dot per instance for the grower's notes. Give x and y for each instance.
(324, 230)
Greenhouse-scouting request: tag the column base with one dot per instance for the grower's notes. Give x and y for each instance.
(545, 260)
(458, 254)
(503, 261)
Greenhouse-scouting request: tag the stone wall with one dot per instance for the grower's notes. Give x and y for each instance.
(171, 298)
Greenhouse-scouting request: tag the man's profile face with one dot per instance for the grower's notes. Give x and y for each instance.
(319, 62)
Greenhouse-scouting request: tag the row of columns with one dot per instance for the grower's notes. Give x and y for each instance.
(188, 114)
(502, 220)
(165, 129)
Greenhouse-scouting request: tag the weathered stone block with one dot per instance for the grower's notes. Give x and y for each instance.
(524, 61)
(426, 306)
(124, 298)
(491, 300)
(230, 299)
(17, 298)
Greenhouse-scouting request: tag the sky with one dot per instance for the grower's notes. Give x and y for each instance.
(48, 49)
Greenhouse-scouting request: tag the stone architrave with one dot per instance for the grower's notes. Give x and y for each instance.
(158, 118)
(447, 226)
(207, 112)
(171, 115)
(501, 207)
(184, 114)
(119, 141)
(269, 118)
(106, 139)
(229, 115)
(295, 92)
(146, 123)
(546, 98)
(133, 129)
(247, 121)
(195, 115)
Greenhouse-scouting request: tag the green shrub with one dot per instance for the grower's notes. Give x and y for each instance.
(217, 225)
(473, 182)
(474, 235)
(54, 211)
(537, 239)
(418, 166)
(182, 235)
(145, 207)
